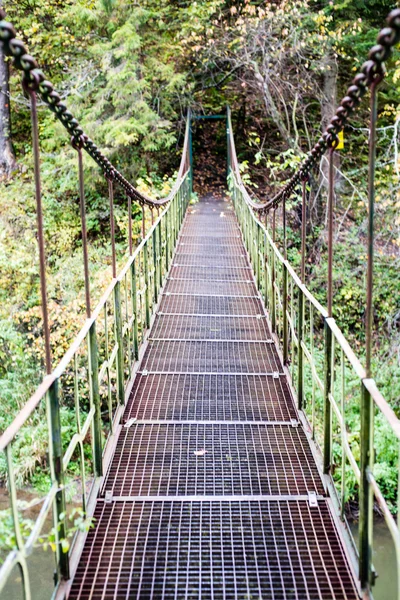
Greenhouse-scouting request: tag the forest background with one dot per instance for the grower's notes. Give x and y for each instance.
(129, 71)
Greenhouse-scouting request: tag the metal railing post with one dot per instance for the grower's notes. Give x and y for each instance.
(367, 408)
(328, 378)
(120, 341)
(328, 375)
(190, 154)
(146, 283)
(93, 360)
(285, 324)
(57, 475)
(53, 407)
(155, 265)
(266, 281)
(134, 311)
(366, 501)
(300, 333)
(300, 354)
(167, 234)
(257, 250)
(40, 227)
(117, 298)
(159, 257)
(273, 275)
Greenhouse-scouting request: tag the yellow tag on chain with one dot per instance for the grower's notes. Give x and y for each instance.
(340, 145)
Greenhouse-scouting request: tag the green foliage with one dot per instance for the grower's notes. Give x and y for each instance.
(128, 71)
(76, 521)
(7, 535)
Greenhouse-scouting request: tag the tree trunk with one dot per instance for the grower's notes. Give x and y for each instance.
(328, 107)
(329, 98)
(273, 110)
(7, 157)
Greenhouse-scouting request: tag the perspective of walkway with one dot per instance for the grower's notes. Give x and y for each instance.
(208, 451)
(213, 491)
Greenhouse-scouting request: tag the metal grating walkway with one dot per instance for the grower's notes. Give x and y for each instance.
(208, 492)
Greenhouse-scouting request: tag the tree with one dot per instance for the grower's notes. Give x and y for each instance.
(7, 157)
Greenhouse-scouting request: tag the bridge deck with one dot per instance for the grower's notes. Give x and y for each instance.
(210, 486)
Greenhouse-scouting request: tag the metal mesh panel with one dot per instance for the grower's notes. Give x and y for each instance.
(210, 305)
(209, 274)
(186, 327)
(234, 546)
(209, 229)
(211, 357)
(209, 245)
(222, 550)
(214, 260)
(224, 288)
(218, 397)
(212, 208)
(234, 459)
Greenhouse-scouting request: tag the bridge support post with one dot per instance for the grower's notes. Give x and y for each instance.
(190, 154)
(155, 265)
(285, 323)
(167, 236)
(273, 276)
(327, 450)
(300, 354)
(57, 476)
(146, 283)
(258, 259)
(266, 278)
(159, 259)
(285, 288)
(120, 341)
(134, 311)
(95, 400)
(175, 219)
(366, 497)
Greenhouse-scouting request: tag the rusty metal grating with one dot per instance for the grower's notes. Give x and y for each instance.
(197, 229)
(215, 247)
(218, 216)
(214, 397)
(206, 495)
(209, 274)
(232, 459)
(213, 550)
(208, 245)
(209, 327)
(224, 288)
(215, 260)
(211, 357)
(211, 305)
(212, 208)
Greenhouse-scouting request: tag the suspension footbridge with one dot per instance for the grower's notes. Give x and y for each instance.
(210, 394)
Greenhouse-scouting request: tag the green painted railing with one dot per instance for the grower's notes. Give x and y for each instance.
(95, 374)
(328, 378)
